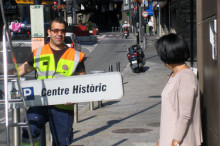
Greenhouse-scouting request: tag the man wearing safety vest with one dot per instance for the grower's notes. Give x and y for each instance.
(53, 60)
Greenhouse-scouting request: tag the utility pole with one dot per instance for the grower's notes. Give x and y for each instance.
(59, 13)
(55, 8)
(43, 131)
(135, 22)
(130, 14)
(140, 24)
(71, 12)
(75, 9)
(137, 10)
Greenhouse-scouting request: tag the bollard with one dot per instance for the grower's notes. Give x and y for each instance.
(16, 119)
(110, 68)
(91, 105)
(112, 29)
(115, 29)
(144, 41)
(75, 112)
(118, 66)
(99, 102)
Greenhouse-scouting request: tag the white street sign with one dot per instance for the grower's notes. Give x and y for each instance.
(37, 20)
(84, 88)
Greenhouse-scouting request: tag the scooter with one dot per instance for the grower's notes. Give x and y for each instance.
(125, 33)
(136, 58)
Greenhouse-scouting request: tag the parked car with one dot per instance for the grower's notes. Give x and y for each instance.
(20, 31)
(70, 40)
(94, 28)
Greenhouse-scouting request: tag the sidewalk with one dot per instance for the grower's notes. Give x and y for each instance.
(134, 119)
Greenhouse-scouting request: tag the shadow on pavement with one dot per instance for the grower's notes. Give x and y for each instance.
(110, 103)
(158, 96)
(112, 122)
(151, 57)
(120, 142)
(87, 119)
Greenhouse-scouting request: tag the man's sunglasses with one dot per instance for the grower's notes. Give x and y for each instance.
(56, 31)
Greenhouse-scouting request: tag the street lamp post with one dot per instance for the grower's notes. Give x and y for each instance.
(43, 131)
(140, 23)
(69, 4)
(74, 12)
(130, 19)
(137, 11)
(71, 12)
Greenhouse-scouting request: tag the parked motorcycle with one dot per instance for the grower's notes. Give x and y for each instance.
(125, 33)
(136, 58)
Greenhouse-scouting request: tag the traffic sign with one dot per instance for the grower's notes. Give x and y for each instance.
(144, 13)
(75, 89)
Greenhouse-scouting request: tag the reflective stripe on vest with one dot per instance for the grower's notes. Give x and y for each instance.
(76, 62)
(42, 74)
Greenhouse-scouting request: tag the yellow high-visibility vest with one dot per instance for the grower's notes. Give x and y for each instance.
(44, 63)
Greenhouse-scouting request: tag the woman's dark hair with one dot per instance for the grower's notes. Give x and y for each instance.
(172, 49)
(58, 20)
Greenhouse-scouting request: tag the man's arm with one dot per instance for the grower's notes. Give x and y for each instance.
(22, 69)
(81, 69)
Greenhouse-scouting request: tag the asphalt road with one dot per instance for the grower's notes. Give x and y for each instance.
(110, 48)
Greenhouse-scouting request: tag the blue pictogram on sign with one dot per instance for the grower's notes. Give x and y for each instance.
(150, 10)
(28, 93)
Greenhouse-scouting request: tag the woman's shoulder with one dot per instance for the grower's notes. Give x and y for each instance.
(187, 75)
(187, 72)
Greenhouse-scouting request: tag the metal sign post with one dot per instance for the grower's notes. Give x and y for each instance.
(37, 40)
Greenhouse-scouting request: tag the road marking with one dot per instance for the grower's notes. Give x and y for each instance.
(90, 49)
(101, 36)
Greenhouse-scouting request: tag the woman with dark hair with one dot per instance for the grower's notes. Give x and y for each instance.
(180, 111)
